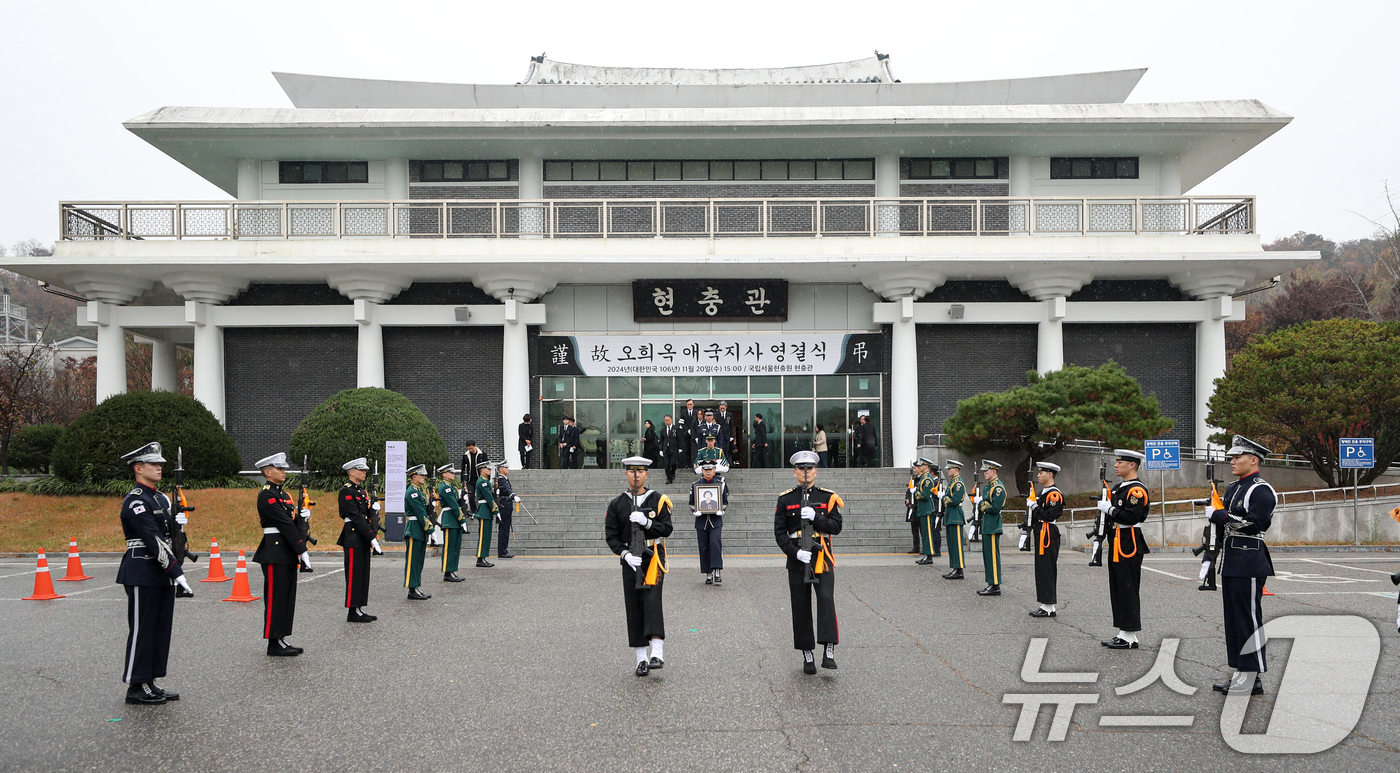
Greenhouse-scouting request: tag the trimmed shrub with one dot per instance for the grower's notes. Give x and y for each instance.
(31, 448)
(356, 423)
(91, 448)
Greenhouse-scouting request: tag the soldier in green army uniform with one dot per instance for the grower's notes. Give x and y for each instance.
(953, 495)
(486, 512)
(711, 453)
(989, 502)
(925, 501)
(451, 522)
(417, 527)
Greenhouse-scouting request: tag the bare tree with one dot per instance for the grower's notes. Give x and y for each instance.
(24, 377)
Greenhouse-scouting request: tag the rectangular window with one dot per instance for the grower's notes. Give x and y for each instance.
(612, 170)
(802, 170)
(467, 171)
(1094, 168)
(860, 169)
(721, 170)
(585, 170)
(554, 171)
(700, 171)
(746, 170)
(955, 168)
(317, 172)
(668, 170)
(775, 170)
(639, 170)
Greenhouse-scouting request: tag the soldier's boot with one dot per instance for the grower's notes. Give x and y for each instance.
(956, 574)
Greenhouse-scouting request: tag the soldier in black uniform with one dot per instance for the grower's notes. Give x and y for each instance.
(150, 573)
(1249, 511)
(1042, 512)
(506, 499)
(806, 502)
(1126, 507)
(650, 511)
(358, 539)
(283, 546)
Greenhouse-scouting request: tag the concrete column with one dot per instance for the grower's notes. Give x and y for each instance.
(1210, 362)
(249, 179)
(531, 187)
(515, 380)
(396, 179)
(111, 360)
(1169, 176)
(370, 370)
(887, 185)
(1019, 174)
(164, 370)
(904, 386)
(208, 364)
(1050, 342)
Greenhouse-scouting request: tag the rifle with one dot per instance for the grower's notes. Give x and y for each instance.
(1025, 527)
(1213, 535)
(304, 502)
(639, 539)
(375, 525)
(179, 542)
(809, 574)
(1100, 531)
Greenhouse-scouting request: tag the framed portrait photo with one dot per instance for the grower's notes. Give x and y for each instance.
(707, 498)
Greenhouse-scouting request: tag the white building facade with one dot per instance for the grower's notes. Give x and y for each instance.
(812, 244)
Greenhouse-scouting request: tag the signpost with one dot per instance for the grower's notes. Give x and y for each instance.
(1163, 455)
(395, 472)
(1356, 453)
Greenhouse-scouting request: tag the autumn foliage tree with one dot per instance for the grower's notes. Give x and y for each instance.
(1075, 403)
(1303, 388)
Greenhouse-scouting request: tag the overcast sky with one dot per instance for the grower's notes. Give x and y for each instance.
(71, 72)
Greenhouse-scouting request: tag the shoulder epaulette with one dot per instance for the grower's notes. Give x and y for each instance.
(267, 486)
(134, 492)
(789, 491)
(347, 484)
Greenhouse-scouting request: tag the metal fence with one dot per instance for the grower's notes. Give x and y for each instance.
(655, 218)
(1188, 453)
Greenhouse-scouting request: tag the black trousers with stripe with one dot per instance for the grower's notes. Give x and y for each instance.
(828, 629)
(1047, 561)
(1125, 578)
(1244, 616)
(356, 577)
(150, 613)
(646, 619)
(279, 599)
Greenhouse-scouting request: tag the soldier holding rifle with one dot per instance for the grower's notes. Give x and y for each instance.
(636, 525)
(988, 504)
(283, 547)
(1043, 511)
(952, 500)
(804, 520)
(1125, 506)
(179, 505)
(926, 511)
(357, 539)
(1248, 513)
(487, 510)
(417, 526)
(451, 520)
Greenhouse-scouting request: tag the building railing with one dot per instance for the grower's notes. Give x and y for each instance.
(656, 218)
(1196, 454)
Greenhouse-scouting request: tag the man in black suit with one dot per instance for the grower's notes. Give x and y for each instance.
(866, 443)
(569, 441)
(671, 445)
(759, 455)
(526, 446)
(727, 441)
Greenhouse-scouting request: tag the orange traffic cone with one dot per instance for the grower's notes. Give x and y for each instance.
(1265, 592)
(241, 592)
(43, 583)
(216, 564)
(75, 564)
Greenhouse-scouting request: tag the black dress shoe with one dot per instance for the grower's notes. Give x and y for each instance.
(710, 579)
(956, 574)
(169, 695)
(809, 666)
(304, 569)
(484, 564)
(277, 650)
(656, 663)
(643, 669)
(416, 594)
(828, 662)
(1232, 688)
(719, 580)
(925, 561)
(1041, 613)
(1096, 562)
(1220, 686)
(144, 693)
(508, 555)
(1119, 644)
(1206, 586)
(990, 590)
(452, 577)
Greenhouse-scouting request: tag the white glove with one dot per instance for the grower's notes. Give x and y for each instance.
(1030, 502)
(1205, 570)
(808, 514)
(639, 518)
(306, 559)
(181, 519)
(517, 497)
(306, 513)
(183, 583)
(977, 500)
(374, 545)
(719, 514)
(696, 513)
(805, 556)
(1104, 506)
(374, 507)
(632, 560)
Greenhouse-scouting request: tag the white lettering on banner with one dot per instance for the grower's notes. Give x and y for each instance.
(736, 355)
(560, 354)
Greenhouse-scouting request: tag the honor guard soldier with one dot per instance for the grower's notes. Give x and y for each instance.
(358, 539)
(1249, 510)
(150, 573)
(417, 527)
(810, 561)
(283, 546)
(925, 510)
(909, 508)
(989, 502)
(708, 510)
(636, 526)
(1043, 511)
(487, 510)
(1126, 507)
(711, 453)
(506, 501)
(451, 521)
(954, 495)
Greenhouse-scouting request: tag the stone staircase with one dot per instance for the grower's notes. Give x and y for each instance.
(569, 505)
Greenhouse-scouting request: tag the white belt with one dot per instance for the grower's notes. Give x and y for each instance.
(270, 530)
(135, 543)
(795, 535)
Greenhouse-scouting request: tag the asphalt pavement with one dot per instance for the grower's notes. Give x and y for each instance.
(525, 667)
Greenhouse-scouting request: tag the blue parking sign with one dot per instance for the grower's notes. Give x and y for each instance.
(1357, 453)
(1163, 454)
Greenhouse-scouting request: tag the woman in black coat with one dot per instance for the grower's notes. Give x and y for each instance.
(651, 444)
